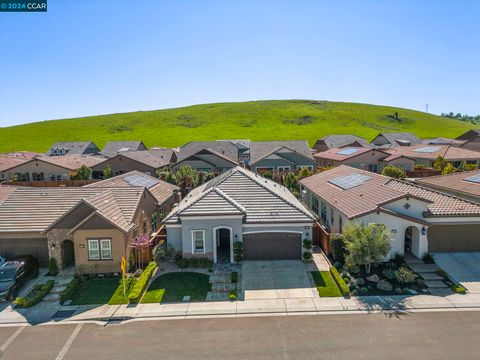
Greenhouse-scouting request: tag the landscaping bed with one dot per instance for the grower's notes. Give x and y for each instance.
(172, 287)
(388, 278)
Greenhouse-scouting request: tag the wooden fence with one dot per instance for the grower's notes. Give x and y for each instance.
(321, 238)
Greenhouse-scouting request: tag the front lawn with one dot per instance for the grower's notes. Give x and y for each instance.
(100, 291)
(172, 287)
(325, 284)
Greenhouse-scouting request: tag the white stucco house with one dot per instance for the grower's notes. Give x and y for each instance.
(420, 220)
(240, 206)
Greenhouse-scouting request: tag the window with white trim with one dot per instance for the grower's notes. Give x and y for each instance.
(315, 204)
(283, 168)
(198, 241)
(99, 249)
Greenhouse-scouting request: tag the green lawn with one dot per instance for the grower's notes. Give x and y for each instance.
(325, 284)
(100, 291)
(255, 120)
(172, 287)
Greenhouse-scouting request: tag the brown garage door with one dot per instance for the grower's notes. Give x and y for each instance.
(272, 246)
(34, 247)
(443, 238)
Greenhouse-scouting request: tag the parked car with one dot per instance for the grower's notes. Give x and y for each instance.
(14, 273)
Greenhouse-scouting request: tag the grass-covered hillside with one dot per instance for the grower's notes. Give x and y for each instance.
(255, 120)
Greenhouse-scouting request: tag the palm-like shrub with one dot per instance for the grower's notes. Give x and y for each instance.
(405, 276)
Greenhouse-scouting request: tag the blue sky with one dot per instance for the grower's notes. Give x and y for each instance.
(104, 56)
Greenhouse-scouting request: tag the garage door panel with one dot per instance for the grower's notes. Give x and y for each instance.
(272, 246)
(34, 247)
(446, 238)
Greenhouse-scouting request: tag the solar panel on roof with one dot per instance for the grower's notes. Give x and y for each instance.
(349, 181)
(139, 180)
(428, 149)
(348, 151)
(474, 178)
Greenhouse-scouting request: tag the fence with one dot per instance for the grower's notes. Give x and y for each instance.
(321, 238)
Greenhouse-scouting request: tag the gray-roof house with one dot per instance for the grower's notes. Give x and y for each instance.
(239, 206)
(208, 156)
(288, 155)
(391, 139)
(146, 161)
(113, 148)
(73, 148)
(420, 220)
(470, 140)
(337, 141)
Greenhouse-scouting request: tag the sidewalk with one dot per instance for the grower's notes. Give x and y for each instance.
(405, 303)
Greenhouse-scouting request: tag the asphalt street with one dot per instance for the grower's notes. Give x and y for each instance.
(436, 335)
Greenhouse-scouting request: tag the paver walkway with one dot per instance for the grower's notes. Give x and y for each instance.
(434, 282)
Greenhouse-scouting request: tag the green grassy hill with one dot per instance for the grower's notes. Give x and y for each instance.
(255, 120)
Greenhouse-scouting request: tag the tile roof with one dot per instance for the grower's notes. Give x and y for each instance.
(242, 192)
(8, 162)
(161, 190)
(155, 158)
(455, 182)
(225, 148)
(334, 141)
(261, 149)
(379, 190)
(72, 162)
(112, 148)
(398, 139)
(5, 191)
(35, 209)
(448, 152)
(337, 155)
(73, 147)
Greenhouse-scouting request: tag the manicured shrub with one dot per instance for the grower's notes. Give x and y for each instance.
(399, 259)
(344, 289)
(182, 263)
(204, 263)
(307, 256)
(405, 276)
(398, 290)
(234, 277)
(363, 290)
(354, 292)
(141, 283)
(442, 273)
(459, 289)
(394, 172)
(389, 274)
(307, 244)
(68, 292)
(232, 296)
(177, 256)
(338, 265)
(238, 251)
(52, 267)
(35, 296)
(420, 282)
(428, 259)
(193, 263)
(360, 281)
(384, 285)
(338, 247)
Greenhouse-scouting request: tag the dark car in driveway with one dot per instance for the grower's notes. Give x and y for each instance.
(14, 273)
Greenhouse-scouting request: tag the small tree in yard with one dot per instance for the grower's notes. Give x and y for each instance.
(186, 178)
(440, 163)
(304, 172)
(107, 172)
(449, 169)
(366, 244)
(394, 172)
(291, 182)
(83, 173)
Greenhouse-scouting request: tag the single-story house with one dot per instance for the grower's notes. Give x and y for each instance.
(44, 168)
(73, 148)
(11, 160)
(390, 139)
(113, 148)
(426, 155)
(365, 158)
(470, 140)
(89, 227)
(463, 184)
(145, 161)
(338, 141)
(239, 206)
(288, 155)
(420, 220)
(207, 160)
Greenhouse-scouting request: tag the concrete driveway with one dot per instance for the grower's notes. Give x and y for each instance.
(463, 267)
(279, 279)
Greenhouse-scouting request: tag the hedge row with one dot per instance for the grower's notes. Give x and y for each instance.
(344, 289)
(35, 296)
(141, 283)
(68, 292)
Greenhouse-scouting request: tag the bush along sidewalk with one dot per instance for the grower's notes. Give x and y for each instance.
(35, 296)
(68, 292)
(344, 289)
(142, 283)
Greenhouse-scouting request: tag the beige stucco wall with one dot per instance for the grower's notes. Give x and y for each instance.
(36, 166)
(121, 164)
